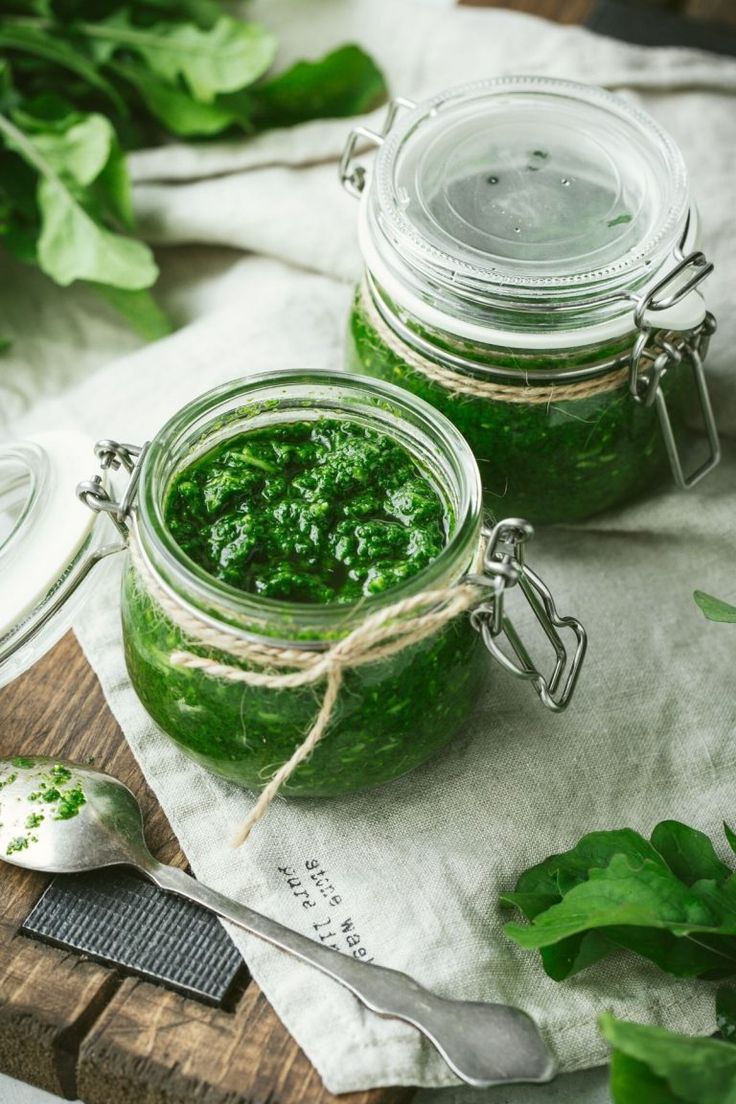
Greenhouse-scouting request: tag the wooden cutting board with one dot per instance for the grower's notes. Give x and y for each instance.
(79, 1029)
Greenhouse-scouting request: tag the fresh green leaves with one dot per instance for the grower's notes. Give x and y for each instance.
(73, 246)
(652, 1065)
(36, 41)
(344, 82)
(120, 73)
(670, 900)
(714, 609)
(79, 186)
(222, 58)
(173, 106)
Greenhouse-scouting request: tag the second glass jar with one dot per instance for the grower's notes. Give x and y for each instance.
(531, 271)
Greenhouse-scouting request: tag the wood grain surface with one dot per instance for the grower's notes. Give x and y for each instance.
(79, 1029)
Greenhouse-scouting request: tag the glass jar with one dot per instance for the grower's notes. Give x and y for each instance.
(391, 714)
(530, 270)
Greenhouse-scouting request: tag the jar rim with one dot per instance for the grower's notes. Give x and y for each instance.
(226, 410)
(429, 239)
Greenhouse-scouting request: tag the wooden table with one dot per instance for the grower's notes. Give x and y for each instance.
(79, 1029)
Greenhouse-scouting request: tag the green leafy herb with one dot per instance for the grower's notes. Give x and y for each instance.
(670, 900)
(714, 609)
(344, 82)
(650, 1064)
(122, 73)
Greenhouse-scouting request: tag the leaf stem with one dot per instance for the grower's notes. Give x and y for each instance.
(30, 153)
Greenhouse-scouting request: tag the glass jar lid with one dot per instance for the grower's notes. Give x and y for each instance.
(47, 537)
(527, 194)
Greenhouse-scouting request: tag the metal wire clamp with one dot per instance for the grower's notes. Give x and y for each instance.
(94, 492)
(353, 177)
(503, 567)
(656, 351)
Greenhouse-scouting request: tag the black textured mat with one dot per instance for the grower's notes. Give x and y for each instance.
(651, 26)
(124, 921)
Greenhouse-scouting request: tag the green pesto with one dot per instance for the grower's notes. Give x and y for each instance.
(315, 511)
(65, 803)
(339, 512)
(71, 802)
(548, 462)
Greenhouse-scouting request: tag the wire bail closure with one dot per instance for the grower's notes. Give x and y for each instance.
(504, 566)
(95, 495)
(353, 177)
(657, 350)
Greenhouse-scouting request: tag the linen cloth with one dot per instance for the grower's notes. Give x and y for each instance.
(414, 869)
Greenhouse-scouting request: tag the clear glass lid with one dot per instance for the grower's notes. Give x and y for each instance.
(527, 189)
(47, 537)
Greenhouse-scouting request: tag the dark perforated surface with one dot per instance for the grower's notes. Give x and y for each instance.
(126, 922)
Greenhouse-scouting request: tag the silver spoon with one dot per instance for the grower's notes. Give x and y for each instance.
(63, 818)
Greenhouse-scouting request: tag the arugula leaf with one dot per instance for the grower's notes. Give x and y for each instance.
(344, 82)
(173, 106)
(81, 150)
(714, 609)
(660, 1067)
(689, 854)
(543, 885)
(670, 900)
(32, 40)
(85, 150)
(90, 77)
(72, 246)
(229, 55)
(632, 1082)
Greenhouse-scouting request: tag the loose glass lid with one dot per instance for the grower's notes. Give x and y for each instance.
(46, 540)
(528, 188)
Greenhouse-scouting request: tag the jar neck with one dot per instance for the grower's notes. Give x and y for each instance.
(259, 401)
(486, 361)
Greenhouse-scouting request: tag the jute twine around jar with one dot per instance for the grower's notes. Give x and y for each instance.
(458, 383)
(379, 636)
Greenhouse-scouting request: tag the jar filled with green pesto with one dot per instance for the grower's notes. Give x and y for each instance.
(531, 269)
(311, 592)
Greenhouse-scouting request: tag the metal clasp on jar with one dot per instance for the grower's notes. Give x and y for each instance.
(94, 492)
(352, 177)
(504, 567)
(657, 350)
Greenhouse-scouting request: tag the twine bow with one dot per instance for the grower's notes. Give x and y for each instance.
(459, 383)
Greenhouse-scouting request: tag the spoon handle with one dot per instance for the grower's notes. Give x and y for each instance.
(484, 1044)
